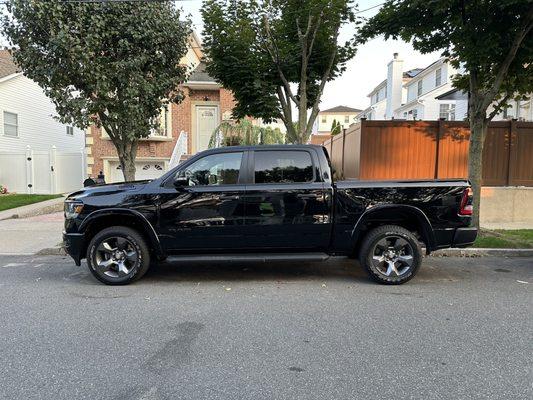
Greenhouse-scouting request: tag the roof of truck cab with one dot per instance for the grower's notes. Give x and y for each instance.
(263, 147)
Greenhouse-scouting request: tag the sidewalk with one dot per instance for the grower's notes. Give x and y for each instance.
(43, 207)
(507, 225)
(29, 235)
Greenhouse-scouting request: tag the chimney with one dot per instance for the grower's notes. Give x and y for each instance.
(394, 85)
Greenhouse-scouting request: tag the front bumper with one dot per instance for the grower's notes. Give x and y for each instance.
(464, 237)
(74, 244)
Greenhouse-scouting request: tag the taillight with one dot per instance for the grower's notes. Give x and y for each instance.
(467, 202)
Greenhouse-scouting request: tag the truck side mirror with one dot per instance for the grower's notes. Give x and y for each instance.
(181, 179)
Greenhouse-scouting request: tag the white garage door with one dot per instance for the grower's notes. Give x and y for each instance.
(144, 170)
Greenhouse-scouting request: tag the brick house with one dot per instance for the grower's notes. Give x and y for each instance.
(204, 106)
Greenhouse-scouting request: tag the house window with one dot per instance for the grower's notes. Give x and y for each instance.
(11, 125)
(323, 119)
(70, 130)
(419, 88)
(438, 77)
(346, 119)
(163, 129)
(447, 111)
(415, 114)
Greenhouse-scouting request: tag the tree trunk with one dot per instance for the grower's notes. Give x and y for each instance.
(128, 167)
(478, 131)
(127, 152)
(302, 123)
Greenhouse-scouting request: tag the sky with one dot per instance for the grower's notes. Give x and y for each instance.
(365, 71)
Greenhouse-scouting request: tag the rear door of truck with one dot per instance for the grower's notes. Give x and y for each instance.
(287, 205)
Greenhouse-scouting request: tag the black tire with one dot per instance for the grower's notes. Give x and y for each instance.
(118, 255)
(390, 254)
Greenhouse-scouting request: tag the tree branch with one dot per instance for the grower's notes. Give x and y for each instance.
(285, 107)
(502, 72)
(313, 36)
(498, 107)
(276, 59)
(325, 76)
(104, 122)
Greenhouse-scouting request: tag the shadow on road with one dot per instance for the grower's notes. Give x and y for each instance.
(345, 270)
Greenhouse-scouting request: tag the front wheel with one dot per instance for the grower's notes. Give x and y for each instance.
(118, 256)
(391, 254)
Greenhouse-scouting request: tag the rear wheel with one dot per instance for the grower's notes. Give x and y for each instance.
(118, 256)
(391, 254)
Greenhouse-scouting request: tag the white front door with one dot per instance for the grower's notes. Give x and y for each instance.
(206, 122)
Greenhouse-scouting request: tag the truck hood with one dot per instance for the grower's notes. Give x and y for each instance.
(107, 189)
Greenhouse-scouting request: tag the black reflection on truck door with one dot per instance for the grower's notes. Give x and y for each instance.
(286, 204)
(208, 211)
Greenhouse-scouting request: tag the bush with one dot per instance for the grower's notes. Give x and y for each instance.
(3, 189)
(243, 132)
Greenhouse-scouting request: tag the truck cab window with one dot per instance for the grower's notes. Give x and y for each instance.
(283, 167)
(214, 169)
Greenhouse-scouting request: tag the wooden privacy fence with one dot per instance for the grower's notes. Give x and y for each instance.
(381, 150)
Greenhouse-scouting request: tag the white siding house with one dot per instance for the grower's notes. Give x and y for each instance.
(342, 114)
(391, 93)
(37, 153)
(428, 94)
(378, 103)
(521, 110)
(422, 90)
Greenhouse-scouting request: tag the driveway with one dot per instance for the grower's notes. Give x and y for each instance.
(462, 329)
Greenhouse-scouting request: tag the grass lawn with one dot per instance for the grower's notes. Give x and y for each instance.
(499, 238)
(8, 201)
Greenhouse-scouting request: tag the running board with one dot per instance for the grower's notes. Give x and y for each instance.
(261, 257)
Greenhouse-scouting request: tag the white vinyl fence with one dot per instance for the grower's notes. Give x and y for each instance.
(42, 172)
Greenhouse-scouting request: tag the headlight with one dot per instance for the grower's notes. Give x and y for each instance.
(72, 209)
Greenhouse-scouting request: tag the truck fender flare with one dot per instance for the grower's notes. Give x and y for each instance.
(148, 227)
(423, 221)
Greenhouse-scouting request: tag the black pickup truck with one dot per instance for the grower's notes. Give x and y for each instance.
(264, 203)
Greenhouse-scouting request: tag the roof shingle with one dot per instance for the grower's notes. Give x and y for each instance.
(7, 66)
(200, 74)
(340, 109)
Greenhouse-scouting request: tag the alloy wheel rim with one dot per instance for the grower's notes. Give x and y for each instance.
(392, 256)
(116, 257)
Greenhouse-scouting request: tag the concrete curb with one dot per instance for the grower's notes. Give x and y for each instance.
(479, 252)
(31, 210)
(468, 252)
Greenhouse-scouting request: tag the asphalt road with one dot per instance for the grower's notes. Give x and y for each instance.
(462, 329)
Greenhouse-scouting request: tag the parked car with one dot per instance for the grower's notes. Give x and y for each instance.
(265, 203)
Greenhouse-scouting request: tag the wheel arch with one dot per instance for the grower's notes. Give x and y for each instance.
(406, 216)
(101, 219)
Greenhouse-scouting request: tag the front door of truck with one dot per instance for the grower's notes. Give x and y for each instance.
(206, 209)
(287, 205)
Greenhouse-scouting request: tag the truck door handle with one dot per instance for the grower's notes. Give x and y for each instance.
(229, 197)
(307, 196)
